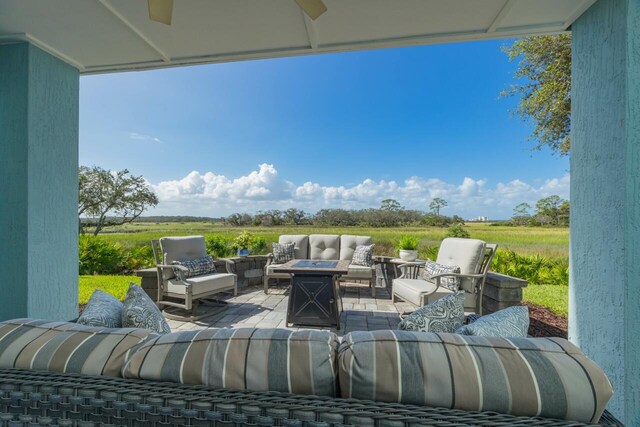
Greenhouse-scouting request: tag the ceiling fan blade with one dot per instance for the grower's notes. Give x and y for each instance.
(160, 10)
(313, 8)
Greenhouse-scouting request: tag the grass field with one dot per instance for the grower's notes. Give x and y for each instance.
(551, 244)
(548, 242)
(114, 285)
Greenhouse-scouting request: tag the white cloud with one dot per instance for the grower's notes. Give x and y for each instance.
(143, 137)
(210, 194)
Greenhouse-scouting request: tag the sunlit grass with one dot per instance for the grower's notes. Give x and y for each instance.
(114, 285)
(555, 298)
(548, 242)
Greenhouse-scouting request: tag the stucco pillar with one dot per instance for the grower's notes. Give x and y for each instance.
(38, 184)
(604, 302)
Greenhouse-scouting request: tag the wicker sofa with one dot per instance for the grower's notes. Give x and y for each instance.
(59, 373)
(324, 247)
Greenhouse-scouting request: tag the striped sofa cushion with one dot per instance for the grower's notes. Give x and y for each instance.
(67, 347)
(300, 362)
(546, 377)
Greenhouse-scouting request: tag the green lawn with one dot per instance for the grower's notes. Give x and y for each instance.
(114, 285)
(554, 297)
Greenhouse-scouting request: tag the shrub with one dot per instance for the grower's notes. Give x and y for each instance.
(457, 230)
(99, 256)
(139, 257)
(259, 246)
(219, 247)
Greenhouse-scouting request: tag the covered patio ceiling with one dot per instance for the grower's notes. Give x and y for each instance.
(97, 36)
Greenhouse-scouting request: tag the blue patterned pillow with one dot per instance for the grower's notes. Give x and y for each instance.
(432, 268)
(443, 315)
(196, 267)
(139, 311)
(512, 322)
(103, 310)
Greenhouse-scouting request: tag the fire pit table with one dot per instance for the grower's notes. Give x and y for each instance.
(314, 296)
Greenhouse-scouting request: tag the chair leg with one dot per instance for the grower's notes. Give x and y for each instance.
(373, 288)
(265, 281)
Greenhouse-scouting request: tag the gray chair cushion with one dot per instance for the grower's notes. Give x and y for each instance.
(139, 311)
(183, 248)
(324, 246)
(202, 284)
(415, 290)
(512, 322)
(348, 244)
(444, 315)
(467, 254)
(301, 244)
(359, 272)
(103, 309)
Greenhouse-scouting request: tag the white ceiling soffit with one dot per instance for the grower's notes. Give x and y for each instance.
(98, 36)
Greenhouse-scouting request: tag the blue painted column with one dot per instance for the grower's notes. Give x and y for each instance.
(38, 184)
(604, 292)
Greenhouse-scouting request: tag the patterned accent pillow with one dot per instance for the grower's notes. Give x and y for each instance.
(443, 315)
(197, 267)
(433, 268)
(512, 322)
(53, 346)
(102, 309)
(363, 255)
(140, 311)
(283, 252)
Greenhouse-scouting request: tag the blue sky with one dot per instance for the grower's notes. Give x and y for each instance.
(333, 130)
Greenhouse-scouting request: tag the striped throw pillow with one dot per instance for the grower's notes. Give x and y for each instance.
(548, 377)
(67, 347)
(300, 362)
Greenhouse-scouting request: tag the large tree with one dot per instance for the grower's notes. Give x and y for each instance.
(391, 205)
(550, 209)
(544, 88)
(436, 204)
(109, 198)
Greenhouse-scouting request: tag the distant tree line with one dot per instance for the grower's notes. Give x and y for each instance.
(549, 211)
(390, 214)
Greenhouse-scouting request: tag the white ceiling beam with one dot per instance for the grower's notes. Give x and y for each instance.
(312, 30)
(16, 38)
(504, 11)
(579, 10)
(528, 30)
(135, 30)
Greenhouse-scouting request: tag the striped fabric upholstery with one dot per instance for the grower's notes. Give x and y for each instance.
(546, 377)
(300, 362)
(67, 347)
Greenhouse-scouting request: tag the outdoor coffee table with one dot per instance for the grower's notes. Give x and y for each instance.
(314, 295)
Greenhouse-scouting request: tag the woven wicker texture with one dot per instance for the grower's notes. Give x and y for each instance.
(33, 398)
